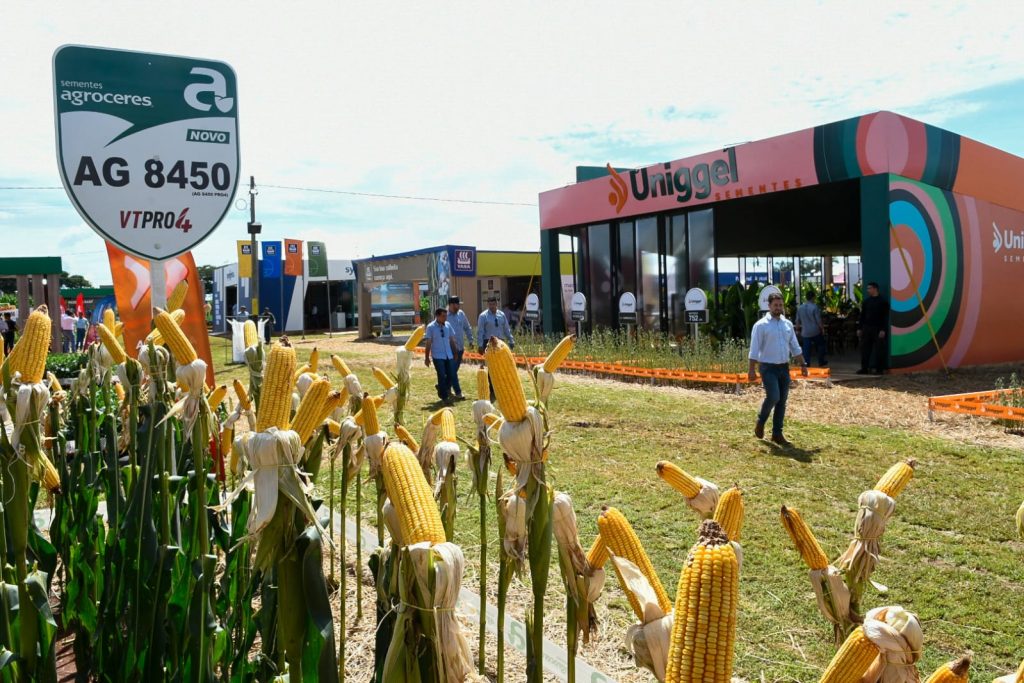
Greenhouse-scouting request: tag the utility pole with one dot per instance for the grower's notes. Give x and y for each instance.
(254, 229)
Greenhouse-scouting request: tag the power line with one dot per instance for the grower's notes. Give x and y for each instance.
(376, 195)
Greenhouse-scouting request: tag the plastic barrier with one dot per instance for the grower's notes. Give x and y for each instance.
(621, 369)
(980, 403)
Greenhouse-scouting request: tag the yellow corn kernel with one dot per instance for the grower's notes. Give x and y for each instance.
(29, 355)
(559, 353)
(370, 422)
(340, 365)
(508, 389)
(333, 427)
(896, 478)
(729, 513)
(299, 373)
(276, 396)
(243, 395)
(483, 385)
(410, 494)
(119, 328)
(674, 476)
(703, 636)
(415, 338)
(447, 425)
(408, 439)
(803, 538)
(333, 401)
(493, 420)
(216, 396)
(109, 318)
(154, 336)
(181, 348)
(48, 475)
(952, 672)
(177, 298)
(618, 534)
(119, 390)
(853, 659)
(314, 360)
(310, 408)
(111, 344)
(384, 378)
(250, 334)
(597, 556)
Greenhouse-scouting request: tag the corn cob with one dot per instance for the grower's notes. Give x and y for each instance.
(276, 397)
(729, 513)
(952, 672)
(597, 556)
(559, 353)
(119, 390)
(250, 334)
(384, 378)
(334, 399)
(299, 373)
(492, 419)
(243, 395)
(3, 354)
(119, 328)
(109, 319)
(310, 408)
(371, 425)
(111, 344)
(446, 423)
(483, 385)
(48, 476)
(154, 336)
(803, 538)
(341, 366)
(508, 389)
(333, 427)
(29, 355)
(677, 478)
(896, 478)
(405, 437)
(415, 338)
(177, 298)
(410, 494)
(704, 629)
(378, 401)
(853, 659)
(618, 534)
(314, 360)
(216, 396)
(181, 348)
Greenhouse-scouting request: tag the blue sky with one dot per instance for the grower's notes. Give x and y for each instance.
(482, 102)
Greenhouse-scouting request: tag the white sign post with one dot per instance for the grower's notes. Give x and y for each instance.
(695, 307)
(147, 147)
(531, 310)
(578, 310)
(627, 308)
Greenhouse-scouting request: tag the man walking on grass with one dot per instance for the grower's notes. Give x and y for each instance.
(463, 331)
(439, 341)
(772, 343)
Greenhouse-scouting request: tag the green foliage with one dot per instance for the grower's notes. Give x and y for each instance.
(65, 365)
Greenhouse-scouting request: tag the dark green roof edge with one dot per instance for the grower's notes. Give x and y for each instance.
(30, 265)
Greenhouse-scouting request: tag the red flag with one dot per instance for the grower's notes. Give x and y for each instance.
(293, 257)
(79, 304)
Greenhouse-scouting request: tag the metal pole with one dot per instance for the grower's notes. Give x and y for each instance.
(302, 300)
(254, 261)
(327, 283)
(157, 284)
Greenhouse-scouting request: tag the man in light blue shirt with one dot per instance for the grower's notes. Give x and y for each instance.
(439, 341)
(811, 329)
(462, 331)
(772, 342)
(493, 323)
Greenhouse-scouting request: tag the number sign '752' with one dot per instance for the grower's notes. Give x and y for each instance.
(147, 145)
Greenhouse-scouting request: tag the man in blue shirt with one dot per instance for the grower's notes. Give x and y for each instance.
(493, 323)
(811, 329)
(462, 331)
(772, 342)
(439, 341)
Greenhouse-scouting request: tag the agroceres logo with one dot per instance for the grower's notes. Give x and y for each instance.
(684, 182)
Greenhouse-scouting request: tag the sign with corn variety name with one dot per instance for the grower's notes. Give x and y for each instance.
(147, 145)
(531, 309)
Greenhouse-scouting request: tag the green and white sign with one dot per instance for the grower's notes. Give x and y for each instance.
(147, 145)
(317, 254)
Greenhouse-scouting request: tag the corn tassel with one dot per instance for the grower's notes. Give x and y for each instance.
(803, 538)
(508, 389)
(704, 629)
(250, 334)
(952, 672)
(677, 478)
(415, 338)
(896, 478)
(111, 344)
(559, 353)
(410, 494)
(310, 408)
(181, 348)
(29, 355)
(177, 298)
(276, 394)
(618, 534)
(405, 437)
(729, 513)
(853, 659)
(384, 378)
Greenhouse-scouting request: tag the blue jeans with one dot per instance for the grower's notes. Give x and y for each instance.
(775, 379)
(443, 368)
(456, 364)
(809, 344)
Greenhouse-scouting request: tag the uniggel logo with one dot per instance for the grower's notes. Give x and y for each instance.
(617, 197)
(1006, 239)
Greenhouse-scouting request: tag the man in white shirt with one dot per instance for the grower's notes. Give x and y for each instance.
(67, 328)
(772, 342)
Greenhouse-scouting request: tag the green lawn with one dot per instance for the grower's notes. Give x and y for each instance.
(949, 553)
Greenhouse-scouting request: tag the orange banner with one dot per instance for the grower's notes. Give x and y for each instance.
(132, 290)
(293, 257)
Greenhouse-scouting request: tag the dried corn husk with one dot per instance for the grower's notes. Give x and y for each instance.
(523, 443)
(705, 502)
(648, 641)
(513, 510)
(898, 636)
(1013, 677)
(545, 383)
(1020, 521)
(832, 593)
(862, 555)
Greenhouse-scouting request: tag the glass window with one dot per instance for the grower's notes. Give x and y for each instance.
(676, 271)
(702, 249)
(599, 280)
(648, 295)
(626, 276)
